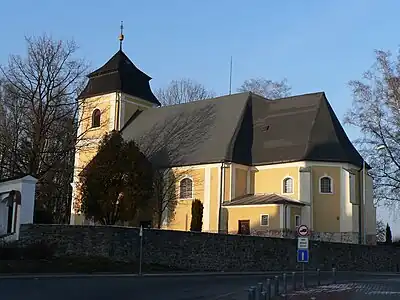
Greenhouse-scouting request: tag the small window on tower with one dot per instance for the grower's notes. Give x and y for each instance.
(96, 118)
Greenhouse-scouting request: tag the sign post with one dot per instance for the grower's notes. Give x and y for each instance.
(140, 250)
(302, 248)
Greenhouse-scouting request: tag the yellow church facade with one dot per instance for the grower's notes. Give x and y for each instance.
(259, 167)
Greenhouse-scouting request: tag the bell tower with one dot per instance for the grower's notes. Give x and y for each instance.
(113, 93)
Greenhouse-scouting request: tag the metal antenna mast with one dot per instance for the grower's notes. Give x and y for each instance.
(230, 78)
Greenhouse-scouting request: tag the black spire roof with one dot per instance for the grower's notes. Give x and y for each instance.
(119, 74)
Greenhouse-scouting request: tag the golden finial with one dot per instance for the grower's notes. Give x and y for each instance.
(121, 35)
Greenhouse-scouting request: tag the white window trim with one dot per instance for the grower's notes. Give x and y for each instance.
(319, 184)
(261, 216)
(91, 119)
(186, 177)
(295, 217)
(283, 185)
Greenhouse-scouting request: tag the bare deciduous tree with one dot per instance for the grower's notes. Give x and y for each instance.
(166, 144)
(165, 196)
(183, 91)
(266, 88)
(376, 113)
(39, 100)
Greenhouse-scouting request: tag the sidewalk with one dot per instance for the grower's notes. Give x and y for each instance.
(349, 291)
(348, 285)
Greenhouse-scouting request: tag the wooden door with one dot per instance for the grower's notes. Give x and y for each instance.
(244, 227)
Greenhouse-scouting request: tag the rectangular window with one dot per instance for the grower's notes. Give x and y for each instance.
(264, 220)
(297, 220)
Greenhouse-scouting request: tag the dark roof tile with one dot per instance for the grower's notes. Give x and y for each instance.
(119, 74)
(261, 199)
(243, 128)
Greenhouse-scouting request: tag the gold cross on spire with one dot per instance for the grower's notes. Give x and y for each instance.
(121, 36)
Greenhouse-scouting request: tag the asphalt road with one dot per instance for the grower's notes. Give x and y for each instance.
(145, 288)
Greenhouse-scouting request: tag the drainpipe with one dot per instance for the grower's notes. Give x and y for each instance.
(221, 196)
(285, 221)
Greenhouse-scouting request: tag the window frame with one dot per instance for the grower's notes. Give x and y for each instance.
(92, 118)
(180, 188)
(331, 185)
(261, 219)
(295, 219)
(284, 185)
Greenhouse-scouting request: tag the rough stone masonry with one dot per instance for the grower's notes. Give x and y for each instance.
(208, 251)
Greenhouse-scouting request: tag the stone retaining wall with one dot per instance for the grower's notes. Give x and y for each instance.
(208, 251)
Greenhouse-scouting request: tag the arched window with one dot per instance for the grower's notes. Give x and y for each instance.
(186, 189)
(325, 185)
(288, 185)
(96, 118)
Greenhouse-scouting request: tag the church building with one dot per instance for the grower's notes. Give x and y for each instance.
(259, 166)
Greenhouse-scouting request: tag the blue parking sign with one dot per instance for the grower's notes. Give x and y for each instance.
(302, 255)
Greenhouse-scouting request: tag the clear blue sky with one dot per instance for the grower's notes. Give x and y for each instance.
(317, 45)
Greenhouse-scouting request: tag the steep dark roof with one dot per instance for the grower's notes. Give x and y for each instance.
(259, 199)
(119, 74)
(244, 128)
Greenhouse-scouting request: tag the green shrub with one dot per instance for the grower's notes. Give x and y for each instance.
(197, 216)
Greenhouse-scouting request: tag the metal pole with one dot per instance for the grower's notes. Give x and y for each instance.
(264, 296)
(260, 289)
(364, 203)
(334, 275)
(269, 289)
(284, 283)
(294, 281)
(318, 277)
(140, 250)
(304, 277)
(276, 290)
(252, 293)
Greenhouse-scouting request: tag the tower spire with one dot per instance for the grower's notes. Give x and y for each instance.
(121, 35)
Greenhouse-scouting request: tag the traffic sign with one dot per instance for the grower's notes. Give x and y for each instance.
(302, 243)
(302, 255)
(302, 230)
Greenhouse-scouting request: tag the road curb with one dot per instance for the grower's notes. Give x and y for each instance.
(200, 274)
(197, 274)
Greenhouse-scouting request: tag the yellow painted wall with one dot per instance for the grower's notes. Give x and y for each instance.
(358, 185)
(104, 104)
(271, 181)
(88, 138)
(85, 156)
(252, 181)
(183, 209)
(293, 212)
(214, 198)
(241, 182)
(227, 186)
(254, 215)
(143, 103)
(326, 207)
